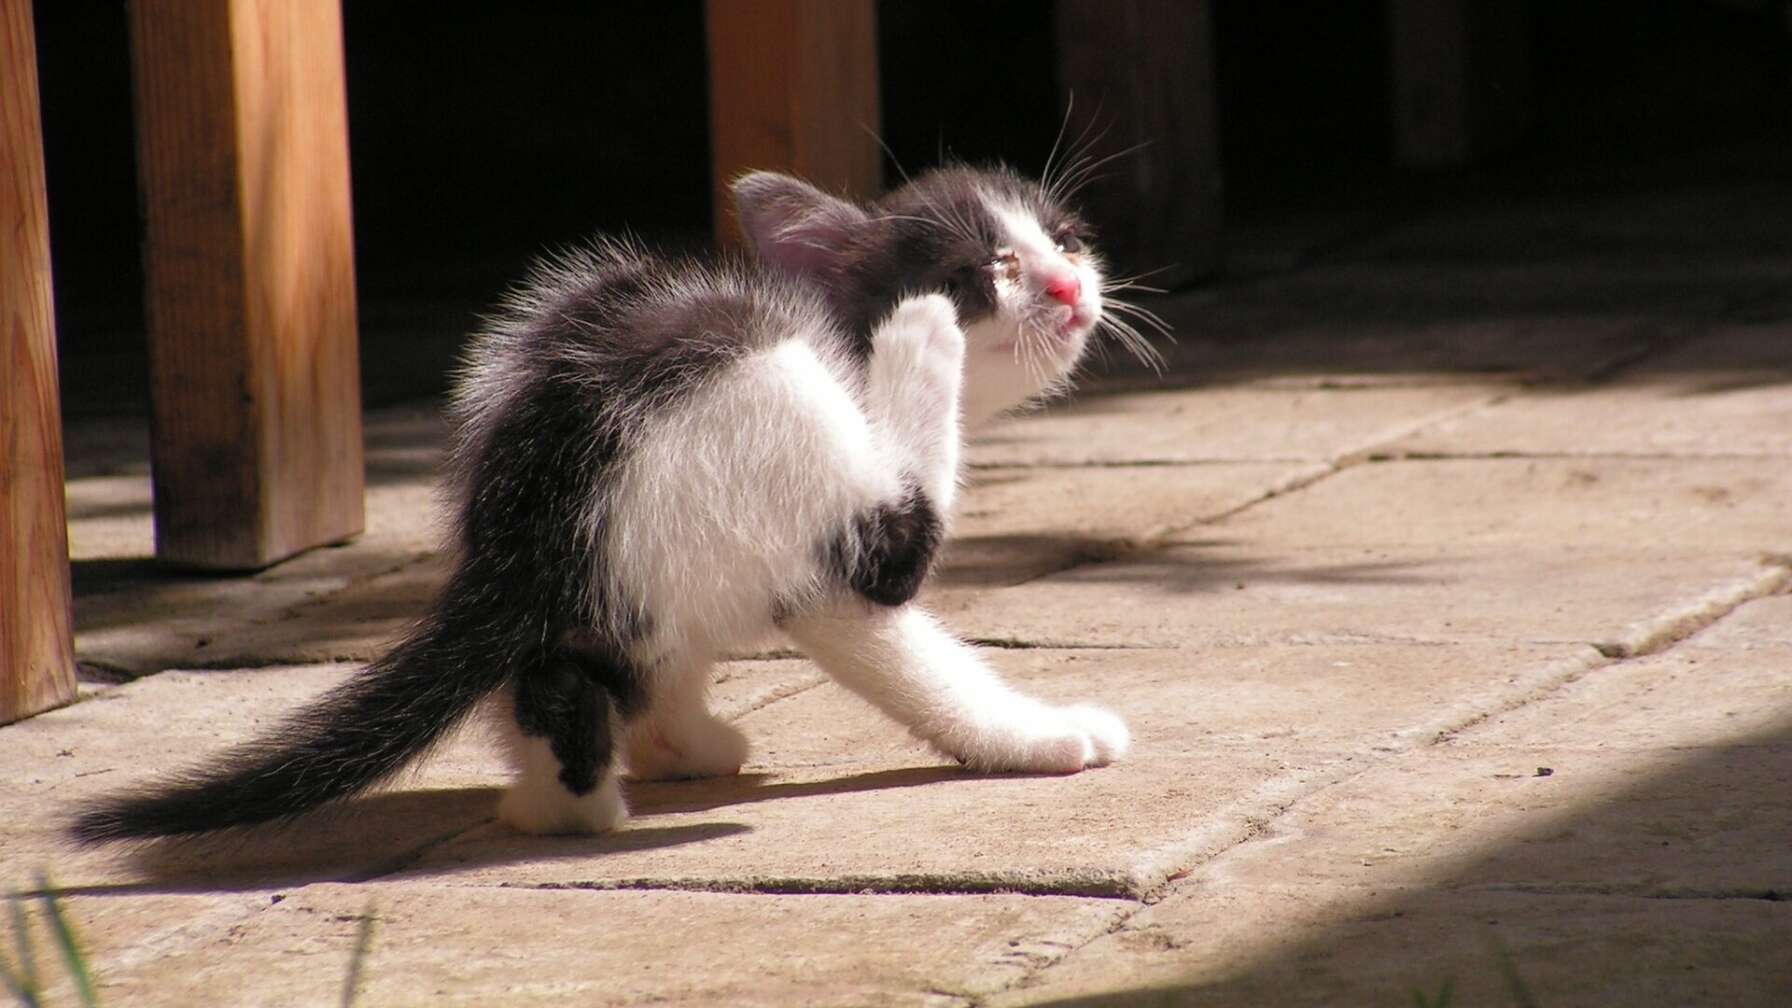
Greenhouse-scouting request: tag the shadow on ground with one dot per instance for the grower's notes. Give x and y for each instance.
(1676, 890)
(369, 837)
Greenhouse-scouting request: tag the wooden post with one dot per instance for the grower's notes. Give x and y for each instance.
(37, 658)
(1139, 78)
(1460, 76)
(793, 88)
(242, 135)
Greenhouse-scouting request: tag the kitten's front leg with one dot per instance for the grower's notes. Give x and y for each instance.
(912, 393)
(910, 668)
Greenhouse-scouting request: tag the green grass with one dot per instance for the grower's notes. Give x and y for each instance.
(1502, 958)
(25, 982)
(22, 978)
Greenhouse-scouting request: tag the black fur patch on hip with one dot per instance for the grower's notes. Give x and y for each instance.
(896, 545)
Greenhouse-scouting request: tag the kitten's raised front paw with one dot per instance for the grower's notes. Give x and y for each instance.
(712, 749)
(1045, 740)
(930, 320)
(546, 808)
(919, 343)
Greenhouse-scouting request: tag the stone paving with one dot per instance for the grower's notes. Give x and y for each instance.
(1443, 581)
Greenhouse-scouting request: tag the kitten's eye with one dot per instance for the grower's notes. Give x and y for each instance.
(1069, 241)
(1004, 259)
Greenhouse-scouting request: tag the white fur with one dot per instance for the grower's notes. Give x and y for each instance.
(935, 685)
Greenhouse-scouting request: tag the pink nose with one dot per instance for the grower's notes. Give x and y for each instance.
(1064, 288)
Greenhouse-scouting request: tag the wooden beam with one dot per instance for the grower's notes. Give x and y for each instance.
(1138, 75)
(37, 658)
(1461, 80)
(242, 135)
(793, 88)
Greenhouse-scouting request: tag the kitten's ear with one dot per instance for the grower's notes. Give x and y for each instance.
(793, 225)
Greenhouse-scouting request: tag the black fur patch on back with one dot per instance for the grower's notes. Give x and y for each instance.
(895, 550)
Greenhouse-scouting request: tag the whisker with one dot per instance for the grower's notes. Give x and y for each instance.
(1149, 318)
(1058, 190)
(1156, 325)
(1136, 344)
(894, 160)
(1115, 287)
(1085, 173)
(1045, 174)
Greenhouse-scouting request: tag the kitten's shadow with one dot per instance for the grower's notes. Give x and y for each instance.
(647, 798)
(367, 838)
(390, 832)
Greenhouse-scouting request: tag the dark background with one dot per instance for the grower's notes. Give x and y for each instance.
(481, 136)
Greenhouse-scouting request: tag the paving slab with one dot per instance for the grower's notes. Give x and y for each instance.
(119, 934)
(133, 617)
(825, 766)
(1321, 946)
(1166, 425)
(1621, 837)
(1434, 321)
(440, 945)
(1018, 524)
(101, 745)
(1763, 623)
(1726, 394)
(1536, 506)
(1612, 552)
(837, 799)
(1228, 595)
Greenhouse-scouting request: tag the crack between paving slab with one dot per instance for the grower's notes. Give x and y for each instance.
(1653, 636)
(1567, 456)
(1645, 638)
(1171, 867)
(1118, 886)
(779, 695)
(1017, 644)
(1165, 463)
(1738, 893)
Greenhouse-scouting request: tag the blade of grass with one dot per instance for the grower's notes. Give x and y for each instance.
(1515, 985)
(69, 946)
(351, 984)
(1444, 994)
(23, 984)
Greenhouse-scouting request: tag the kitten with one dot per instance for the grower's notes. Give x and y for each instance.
(660, 461)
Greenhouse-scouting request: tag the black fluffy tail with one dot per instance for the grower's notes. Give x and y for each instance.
(358, 735)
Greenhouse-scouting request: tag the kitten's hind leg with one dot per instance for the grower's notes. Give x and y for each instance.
(900, 660)
(562, 744)
(912, 392)
(678, 737)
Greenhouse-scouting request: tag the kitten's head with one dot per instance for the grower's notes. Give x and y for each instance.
(1019, 265)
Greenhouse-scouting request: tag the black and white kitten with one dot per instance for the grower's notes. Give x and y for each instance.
(658, 462)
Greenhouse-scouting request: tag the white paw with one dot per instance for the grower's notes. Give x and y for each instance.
(1044, 740)
(548, 809)
(713, 748)
(919, 348)
(1106, 733)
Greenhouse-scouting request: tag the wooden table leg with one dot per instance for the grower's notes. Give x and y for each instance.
(242, 136)
(37, 660)
(793, 87)
(1139, 77)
